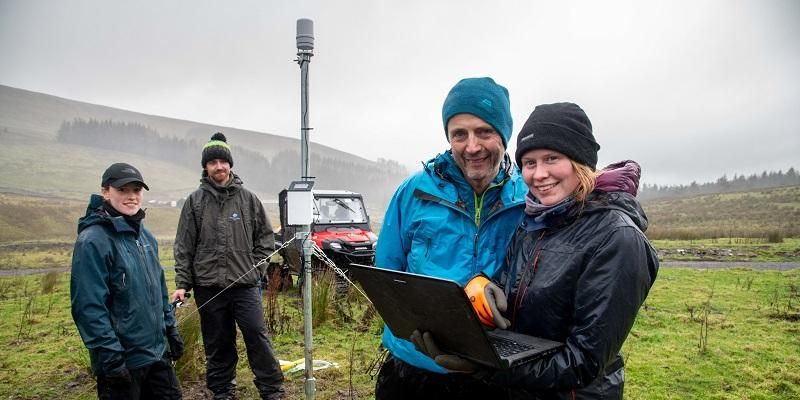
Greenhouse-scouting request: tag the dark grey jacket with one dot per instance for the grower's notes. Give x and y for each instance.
(222, 233)
(580, 279)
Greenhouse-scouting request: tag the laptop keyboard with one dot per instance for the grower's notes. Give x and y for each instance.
(507, 347)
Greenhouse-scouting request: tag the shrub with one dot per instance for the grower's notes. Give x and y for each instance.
(774, 237)
(321, 296)
(192, 364)
(49, 282)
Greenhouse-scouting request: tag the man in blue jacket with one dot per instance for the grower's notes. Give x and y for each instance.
(454, 219)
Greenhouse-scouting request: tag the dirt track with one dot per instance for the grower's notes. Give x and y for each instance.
(771, 265)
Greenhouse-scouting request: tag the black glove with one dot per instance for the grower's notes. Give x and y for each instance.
(175, 343)
(453, 363)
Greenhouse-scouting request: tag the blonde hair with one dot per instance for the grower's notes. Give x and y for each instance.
(586, 180)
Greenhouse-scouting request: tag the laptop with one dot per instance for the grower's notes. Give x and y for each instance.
(409, 301)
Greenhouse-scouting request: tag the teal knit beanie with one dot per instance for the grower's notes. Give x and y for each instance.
(483, 98)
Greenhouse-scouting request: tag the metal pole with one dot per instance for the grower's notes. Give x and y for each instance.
(305, 49)
(303, 59)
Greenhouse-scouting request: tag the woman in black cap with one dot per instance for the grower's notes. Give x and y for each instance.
(119, 295)
(579, 265)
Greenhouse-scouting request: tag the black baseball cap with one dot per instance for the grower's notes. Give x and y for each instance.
(120, 174)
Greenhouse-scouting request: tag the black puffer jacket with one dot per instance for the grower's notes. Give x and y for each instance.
(579, 280)
(222, 233)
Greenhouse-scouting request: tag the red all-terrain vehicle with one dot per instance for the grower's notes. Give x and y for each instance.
(340, 228)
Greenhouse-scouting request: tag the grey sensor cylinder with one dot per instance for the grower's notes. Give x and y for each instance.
(305, 34)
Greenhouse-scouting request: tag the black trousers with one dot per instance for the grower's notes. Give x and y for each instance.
(156, 381)
(398, 380)
(218, 320)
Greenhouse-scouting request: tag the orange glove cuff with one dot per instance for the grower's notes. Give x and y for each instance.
(476, 293)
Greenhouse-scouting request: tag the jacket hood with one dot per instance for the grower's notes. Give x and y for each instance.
(621, 176)
(620, 201)
(96, 215)
(616, 188)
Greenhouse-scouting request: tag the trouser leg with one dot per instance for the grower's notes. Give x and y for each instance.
(219, 338)
(398, 380)
(250, 318)
(160, 382)
(113, 390)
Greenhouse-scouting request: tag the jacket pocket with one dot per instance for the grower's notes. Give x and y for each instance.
(205, 267)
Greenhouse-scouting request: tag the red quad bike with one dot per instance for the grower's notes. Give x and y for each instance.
(340, 229)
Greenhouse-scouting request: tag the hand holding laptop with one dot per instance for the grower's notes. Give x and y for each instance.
(488, 300)
(424, 343)
(441, 308)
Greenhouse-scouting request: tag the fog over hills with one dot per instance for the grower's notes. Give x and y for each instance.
(40, 162)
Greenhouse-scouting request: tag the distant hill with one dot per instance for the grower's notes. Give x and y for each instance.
(739, 183)
(37, 162)
(753, 214)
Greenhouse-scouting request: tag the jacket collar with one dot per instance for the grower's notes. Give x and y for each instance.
(446, 181)
(96, 215)
(232, 187)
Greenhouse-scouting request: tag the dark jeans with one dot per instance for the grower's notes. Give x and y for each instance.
(155, 381)
(218, 320)
(398, 380)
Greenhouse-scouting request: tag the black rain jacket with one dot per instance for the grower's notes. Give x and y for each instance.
(580, 281)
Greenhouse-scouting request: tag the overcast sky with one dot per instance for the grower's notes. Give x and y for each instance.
(691, 89)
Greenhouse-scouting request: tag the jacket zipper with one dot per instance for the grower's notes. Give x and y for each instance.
(475, 219)
(150, 283)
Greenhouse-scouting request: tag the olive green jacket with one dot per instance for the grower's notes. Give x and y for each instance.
(222, 233)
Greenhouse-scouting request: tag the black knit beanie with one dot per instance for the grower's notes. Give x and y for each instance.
(217, 147)
(562, 127)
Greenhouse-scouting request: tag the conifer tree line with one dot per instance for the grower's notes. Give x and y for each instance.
(259, 173)
(739, 183)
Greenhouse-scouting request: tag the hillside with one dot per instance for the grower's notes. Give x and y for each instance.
(40, 115)
(758, 213)
(37, 162)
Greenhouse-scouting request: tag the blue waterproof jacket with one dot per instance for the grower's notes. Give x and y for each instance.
(436, 225)
(118, 293)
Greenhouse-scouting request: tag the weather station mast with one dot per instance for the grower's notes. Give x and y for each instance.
(305, 50)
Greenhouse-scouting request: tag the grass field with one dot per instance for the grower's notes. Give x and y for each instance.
(702, 334)
(750, 351)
